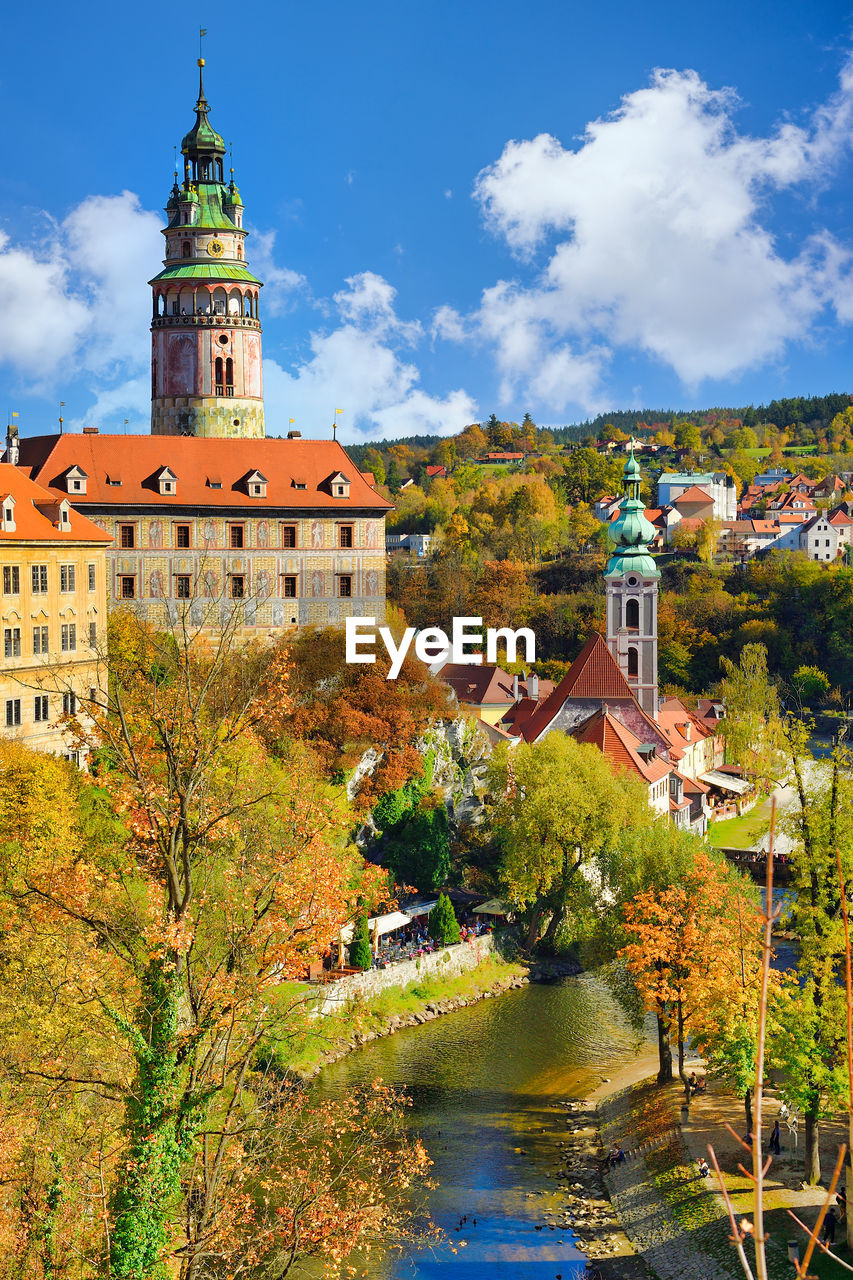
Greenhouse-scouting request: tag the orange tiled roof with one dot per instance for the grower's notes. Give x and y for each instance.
(136, 460)
(673, 717)
(593, 674)
(36, 512)
(693, 494)
(620, 746)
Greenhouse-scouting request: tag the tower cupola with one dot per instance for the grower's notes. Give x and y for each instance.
(206, 330)
(631, 583)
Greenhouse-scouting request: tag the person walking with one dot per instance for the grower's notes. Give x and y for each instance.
(775, 1143)
(829, 1223)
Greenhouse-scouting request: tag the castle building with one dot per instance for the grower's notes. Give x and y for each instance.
(206, 377)
(207, 515)
(631, 585)
(53, 610)
(286, 533)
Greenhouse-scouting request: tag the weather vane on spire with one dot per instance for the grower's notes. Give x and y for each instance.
(202, 32)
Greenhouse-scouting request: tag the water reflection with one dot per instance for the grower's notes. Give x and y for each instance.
(485, 1084)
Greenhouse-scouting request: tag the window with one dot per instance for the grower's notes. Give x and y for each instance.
(345, 535)
(69, 704)
(11, 579)
(290, 586)
(182, 535)
(40, 645)
(345, 585)
(39, 577)
(67, 577)
(632, 614)
(127, 535)
(69, 637)
(12, 642)
(127, 588)
(13, 712)
(217, 373)
(93, 635)
(91, 577)
(288, 535)
(236, 535)
(633, 662)
(40, 708)
(182, 586)
(238, 586)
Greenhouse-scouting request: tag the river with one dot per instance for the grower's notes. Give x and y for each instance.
(486, 1083)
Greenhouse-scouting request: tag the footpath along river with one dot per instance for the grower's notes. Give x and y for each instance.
(486, 1084)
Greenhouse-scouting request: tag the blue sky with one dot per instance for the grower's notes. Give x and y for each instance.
(458, 208)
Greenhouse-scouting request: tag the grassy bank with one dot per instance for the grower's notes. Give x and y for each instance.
(370, 1017)
(741, 833)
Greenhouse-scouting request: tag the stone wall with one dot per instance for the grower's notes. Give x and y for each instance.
(448, 962)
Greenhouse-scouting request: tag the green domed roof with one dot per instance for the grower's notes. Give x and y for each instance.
(202, 137)
(631, 531)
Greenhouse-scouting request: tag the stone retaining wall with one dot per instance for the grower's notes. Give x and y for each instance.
(448, 962)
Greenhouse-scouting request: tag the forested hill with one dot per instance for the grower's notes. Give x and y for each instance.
(813, 412)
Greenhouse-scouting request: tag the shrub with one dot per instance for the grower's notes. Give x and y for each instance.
(443, 925)
(360, 954)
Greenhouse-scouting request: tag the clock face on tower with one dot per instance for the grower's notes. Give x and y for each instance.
(216, 248)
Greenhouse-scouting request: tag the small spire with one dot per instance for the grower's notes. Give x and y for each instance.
(201, 97)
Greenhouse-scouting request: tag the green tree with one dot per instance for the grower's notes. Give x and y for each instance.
(360, 953)
(443, 925)
(559, 808)
(751, 726)
(810, 684)
(809, 1018)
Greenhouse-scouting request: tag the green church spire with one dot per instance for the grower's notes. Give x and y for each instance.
(631, 531)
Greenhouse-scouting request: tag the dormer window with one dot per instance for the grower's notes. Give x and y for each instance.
(213, 482)
(114, 481)
(8, 510)
(167, 482)
(64, 520)
(299, 484)
(256, 485)
(75, 480)
(339, 484)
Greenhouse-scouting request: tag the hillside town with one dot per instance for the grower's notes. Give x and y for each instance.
(243, 871)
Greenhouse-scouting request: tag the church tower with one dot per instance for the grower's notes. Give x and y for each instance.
(205, 331)
(631, 581)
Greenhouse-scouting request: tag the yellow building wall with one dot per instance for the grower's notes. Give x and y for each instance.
(317, 562)
(30, 675)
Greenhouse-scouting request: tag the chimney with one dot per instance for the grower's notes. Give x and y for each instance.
(533, 687)
(90, 431)
(294, 435)
(515, 688)
(12, 444)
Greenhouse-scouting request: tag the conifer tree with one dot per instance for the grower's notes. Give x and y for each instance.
(360, 954)
(443, 925)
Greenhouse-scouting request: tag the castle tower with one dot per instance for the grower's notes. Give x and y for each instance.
(631, 582)
(205, 331)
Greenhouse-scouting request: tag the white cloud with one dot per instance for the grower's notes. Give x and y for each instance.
(282, 286)
(82, 294)
(657, 235)
(358, 367)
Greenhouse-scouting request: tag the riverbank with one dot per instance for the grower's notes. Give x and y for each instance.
(366, 1019)
(677, 1222)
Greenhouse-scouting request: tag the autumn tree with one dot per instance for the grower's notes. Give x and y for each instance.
(559, 808)
(228, 871)
(680, 936)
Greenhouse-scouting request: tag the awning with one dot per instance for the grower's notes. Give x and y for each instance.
(494, 907)
(421, 908)
(726, 782)
(378, 924)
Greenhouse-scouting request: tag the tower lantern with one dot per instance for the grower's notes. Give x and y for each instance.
(205, 331)
(631, 585)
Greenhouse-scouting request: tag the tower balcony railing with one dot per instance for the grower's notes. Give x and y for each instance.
(204, 318)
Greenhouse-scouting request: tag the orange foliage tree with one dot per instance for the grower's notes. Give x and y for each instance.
(343, 710)
(224, 871)
(683, 938)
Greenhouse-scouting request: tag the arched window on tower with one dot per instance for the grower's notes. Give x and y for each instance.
(229, 377)
(633, 663)
(187, 249)
(220, 387)
(632, 615)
